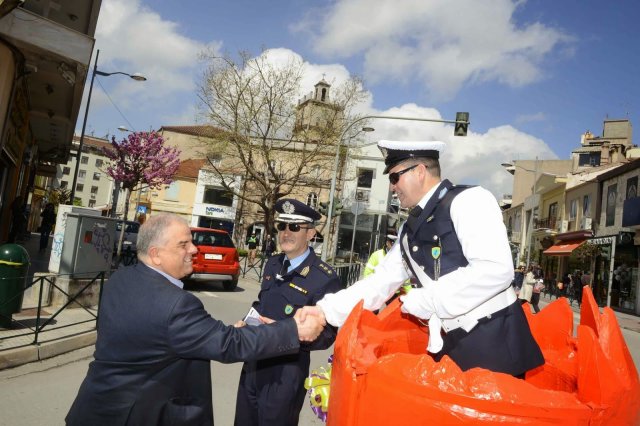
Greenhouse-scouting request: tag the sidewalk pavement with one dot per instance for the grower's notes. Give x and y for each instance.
(74, 328)
(626, 321)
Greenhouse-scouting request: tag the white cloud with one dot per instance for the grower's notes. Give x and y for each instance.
(132, 38)
(440, 44)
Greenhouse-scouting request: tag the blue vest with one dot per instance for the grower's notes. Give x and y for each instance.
(431, 237)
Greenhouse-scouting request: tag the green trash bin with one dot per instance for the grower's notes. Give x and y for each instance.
(14, 265)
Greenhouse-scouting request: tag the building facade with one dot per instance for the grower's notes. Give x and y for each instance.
(587, 222)
(44, 61)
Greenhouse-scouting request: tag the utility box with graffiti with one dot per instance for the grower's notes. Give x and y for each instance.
(58, 234)
(88, 245)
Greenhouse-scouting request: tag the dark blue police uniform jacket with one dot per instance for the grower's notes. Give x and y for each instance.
(271, 391)
(502, 341)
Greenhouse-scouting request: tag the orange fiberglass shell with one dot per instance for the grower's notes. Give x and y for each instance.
(382, 375)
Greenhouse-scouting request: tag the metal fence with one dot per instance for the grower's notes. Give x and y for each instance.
(349, 273)
(46, 322)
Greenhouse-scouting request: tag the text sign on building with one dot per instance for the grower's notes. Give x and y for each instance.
(602, 241)
(211, 211)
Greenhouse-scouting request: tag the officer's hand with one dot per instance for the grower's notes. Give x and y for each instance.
(266, 320)
(315, 311)
(310, 329)
(239, 324)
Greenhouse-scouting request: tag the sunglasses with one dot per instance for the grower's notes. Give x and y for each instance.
(395, 176)
(293, 227)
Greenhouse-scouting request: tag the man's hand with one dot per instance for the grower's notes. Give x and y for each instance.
(310, 311)
(309, 329)
(239, 324)
(266, 320)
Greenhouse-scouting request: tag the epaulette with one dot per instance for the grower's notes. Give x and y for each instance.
(324, 267)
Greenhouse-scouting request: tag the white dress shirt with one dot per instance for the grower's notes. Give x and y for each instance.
(478, 223)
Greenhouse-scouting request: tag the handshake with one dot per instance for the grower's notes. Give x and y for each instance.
(310, 322)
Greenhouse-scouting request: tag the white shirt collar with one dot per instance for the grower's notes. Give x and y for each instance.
(423, 202)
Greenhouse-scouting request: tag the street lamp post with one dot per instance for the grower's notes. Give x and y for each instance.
(534, 190)
(136, 77)
(332, 191)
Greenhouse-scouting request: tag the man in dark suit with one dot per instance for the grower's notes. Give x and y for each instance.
(155, 340)
(271, 391)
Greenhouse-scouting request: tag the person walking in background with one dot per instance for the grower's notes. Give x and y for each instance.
(527, 286)
(18, 219)
(518, 278)
(252, 245)
(152, 356)
(48, 216)
(538, 286)
(271, 391)
(377, 256)
(269, 247)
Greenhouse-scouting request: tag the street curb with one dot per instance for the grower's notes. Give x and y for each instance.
(20, 356)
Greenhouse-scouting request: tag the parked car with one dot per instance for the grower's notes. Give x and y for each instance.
(217, 258)
(129, 243)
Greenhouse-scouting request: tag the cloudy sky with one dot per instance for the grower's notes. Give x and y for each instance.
(533, 74)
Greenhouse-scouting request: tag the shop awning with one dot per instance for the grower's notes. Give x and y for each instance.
(563, 248)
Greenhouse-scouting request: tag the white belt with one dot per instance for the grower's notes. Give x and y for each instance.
(470, 319)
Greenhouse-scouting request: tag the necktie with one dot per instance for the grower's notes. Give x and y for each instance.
(412, 220)
(285, 267)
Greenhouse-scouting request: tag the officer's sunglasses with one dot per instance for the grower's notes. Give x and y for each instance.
(395, 176)
(293, 227)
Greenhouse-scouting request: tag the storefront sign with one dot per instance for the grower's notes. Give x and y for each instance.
(211, 211)
(602, 241)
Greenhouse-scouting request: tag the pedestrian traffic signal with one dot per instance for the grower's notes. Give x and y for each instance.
(323, 207)
(462, 124)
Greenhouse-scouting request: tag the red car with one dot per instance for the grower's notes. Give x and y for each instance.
(217, 258)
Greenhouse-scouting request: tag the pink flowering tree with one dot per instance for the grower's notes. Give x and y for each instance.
(141, 161)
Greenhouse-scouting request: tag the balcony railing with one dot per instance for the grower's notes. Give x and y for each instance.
(547, 223)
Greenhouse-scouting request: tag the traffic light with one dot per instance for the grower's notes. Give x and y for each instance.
(462, 124)
(323, 207)
(337, 207)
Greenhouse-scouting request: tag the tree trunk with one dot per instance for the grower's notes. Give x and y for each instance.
(124, 225)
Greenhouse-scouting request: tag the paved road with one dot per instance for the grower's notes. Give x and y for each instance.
(41, 393)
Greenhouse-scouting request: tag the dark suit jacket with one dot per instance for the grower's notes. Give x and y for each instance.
(152, 354)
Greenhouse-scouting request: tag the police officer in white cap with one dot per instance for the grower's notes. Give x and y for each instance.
(455, 245)
(271, 391)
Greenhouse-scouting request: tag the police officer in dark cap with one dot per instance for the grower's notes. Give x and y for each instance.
(454, 244)
(271, 391)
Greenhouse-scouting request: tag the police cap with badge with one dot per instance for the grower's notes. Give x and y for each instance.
(396, 152)
(294, 212)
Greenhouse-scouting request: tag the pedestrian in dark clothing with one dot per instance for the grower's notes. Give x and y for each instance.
(18, 219)
(566, 283)
(269, 247)
(518, 278)
(48, 220)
